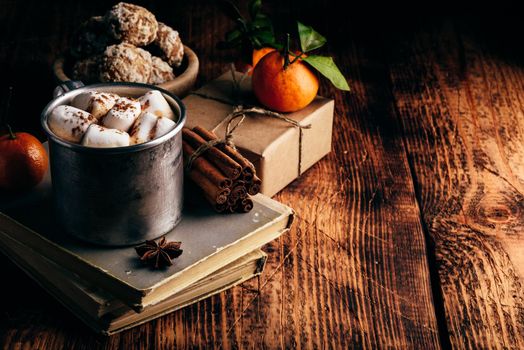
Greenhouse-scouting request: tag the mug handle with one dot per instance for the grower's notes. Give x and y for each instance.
(66, 86)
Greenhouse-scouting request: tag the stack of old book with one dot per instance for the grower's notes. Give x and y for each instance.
(110, 289)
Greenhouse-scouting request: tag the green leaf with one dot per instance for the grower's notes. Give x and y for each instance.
(261, 16)
(277, 45)
(233, 35)
(265, 39)
(261, 22)
(327, 67)
(309, 38)
(254, 7)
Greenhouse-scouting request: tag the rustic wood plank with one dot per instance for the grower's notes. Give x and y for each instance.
(339, 284)
(352, 273)
(461, 108)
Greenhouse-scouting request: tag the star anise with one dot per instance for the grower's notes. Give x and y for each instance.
(159, 254)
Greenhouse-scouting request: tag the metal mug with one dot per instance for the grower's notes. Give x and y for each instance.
(117, 196)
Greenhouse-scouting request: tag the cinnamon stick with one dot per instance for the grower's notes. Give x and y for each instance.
(254, 185)
(219, 207)
(217, 194)
(248, 170)
(225, 176)
(238, 191)
(206, 168)
(222, 161)
(244, 206)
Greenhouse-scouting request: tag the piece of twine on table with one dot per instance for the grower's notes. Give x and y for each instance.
(239, 113)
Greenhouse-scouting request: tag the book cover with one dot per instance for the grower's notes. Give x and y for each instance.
(79, 297)
(210, 241)
(96, 301)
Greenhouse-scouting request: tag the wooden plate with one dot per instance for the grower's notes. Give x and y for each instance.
(180, 86)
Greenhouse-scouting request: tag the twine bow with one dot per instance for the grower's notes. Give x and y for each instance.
(239, 112)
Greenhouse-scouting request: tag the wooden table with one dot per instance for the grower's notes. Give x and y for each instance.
(409, 234)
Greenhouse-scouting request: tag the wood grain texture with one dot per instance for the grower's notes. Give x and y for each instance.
(428, 142)
(461, 107)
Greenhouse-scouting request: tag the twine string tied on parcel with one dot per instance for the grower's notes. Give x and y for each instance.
(239, 114)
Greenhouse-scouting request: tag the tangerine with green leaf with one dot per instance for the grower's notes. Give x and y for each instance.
(284, 87)
(284, 82)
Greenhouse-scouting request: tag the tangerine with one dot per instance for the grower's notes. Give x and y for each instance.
(23, 161)
(283, 89)
(258, 54)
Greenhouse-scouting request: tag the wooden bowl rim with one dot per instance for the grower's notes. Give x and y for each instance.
(190, 73)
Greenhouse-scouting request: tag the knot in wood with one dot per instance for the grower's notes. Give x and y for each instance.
(498, 213)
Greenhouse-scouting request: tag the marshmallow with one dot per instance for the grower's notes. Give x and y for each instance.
(100, 137)
(70, 123)
(96, 103)
(163, 126)
(154, 102)
(144, 128)
(122, 115)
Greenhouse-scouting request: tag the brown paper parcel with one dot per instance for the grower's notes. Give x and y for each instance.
(272, 145)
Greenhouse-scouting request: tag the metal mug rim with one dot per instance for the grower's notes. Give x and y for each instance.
(112, 150)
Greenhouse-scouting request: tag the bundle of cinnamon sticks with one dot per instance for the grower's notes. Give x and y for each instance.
(225, 176)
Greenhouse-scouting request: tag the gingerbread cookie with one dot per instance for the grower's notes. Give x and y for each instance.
(125, 62)
(169, 42)
(161, 71)
(132, 24)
